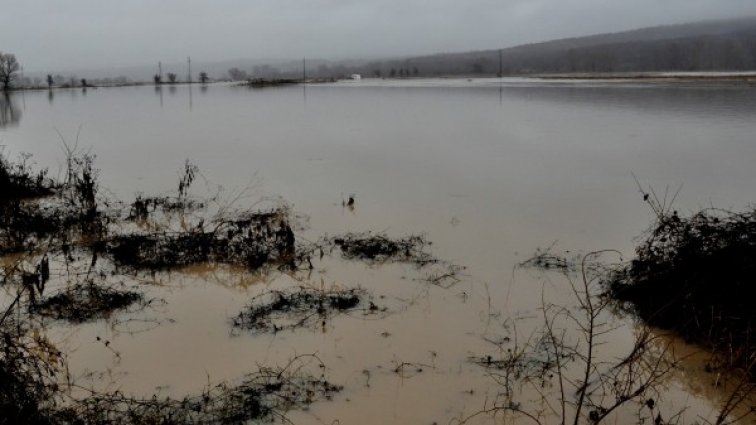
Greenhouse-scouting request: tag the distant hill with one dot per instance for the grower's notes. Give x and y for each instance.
(722, 45)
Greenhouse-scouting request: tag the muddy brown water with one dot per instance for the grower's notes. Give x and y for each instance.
(488, 170)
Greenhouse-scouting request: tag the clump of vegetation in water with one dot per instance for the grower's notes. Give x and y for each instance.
(252, 240)
(261, 396)
(262, 82)
(695, 275)
(71, 222)
(19, 181)
(560, 360)
(60, 212)
(380, 248)
(86, 301)
(275, 311)
(546, 260)
(28, 367)
(144, 206)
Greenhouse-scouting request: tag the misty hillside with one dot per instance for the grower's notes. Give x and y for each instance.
(722, 45)
(727, 45)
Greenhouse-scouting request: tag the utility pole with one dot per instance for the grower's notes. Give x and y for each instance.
(160, 70)
(304, 70)
(189, 62)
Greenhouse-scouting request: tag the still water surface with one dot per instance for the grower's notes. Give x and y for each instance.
(488, 170)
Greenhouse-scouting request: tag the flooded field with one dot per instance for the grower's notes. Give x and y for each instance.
(486, 173)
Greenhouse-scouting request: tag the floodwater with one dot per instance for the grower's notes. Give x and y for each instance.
(488, 170)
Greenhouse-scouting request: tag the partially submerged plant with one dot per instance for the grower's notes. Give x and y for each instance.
(29, 364)
(253, 240)
(265, 395)
(275, 311)
(574, 383)
(19, 181)
(86, 301)
(381, 248)
(694, 275)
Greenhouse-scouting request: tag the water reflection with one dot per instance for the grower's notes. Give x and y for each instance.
(10, 114)
(50, 96)
(703, 101)
(159, 91)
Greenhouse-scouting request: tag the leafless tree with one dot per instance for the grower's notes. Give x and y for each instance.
(203, 77)
(171, 77)
(8, 70)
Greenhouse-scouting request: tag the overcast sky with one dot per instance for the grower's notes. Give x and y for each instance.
(58, 35)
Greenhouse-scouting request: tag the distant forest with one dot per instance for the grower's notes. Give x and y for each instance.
(725, 45)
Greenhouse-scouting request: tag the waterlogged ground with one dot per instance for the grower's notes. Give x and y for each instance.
(487, 170)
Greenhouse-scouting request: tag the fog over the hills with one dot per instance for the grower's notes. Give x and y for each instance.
(51, 35)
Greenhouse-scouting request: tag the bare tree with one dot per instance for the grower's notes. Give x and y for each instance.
(171, 78)
(8, 70)
(50, 81)
(573, 383)
(158, 79)
(203, 77)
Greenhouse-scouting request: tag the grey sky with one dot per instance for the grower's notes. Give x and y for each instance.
(55, 35)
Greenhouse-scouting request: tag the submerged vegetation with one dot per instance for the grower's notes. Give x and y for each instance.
(380, 248)
(253, 240)
(79, 246)
(691, 275)
(85, 302)
(261, 396)
(275, 311)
